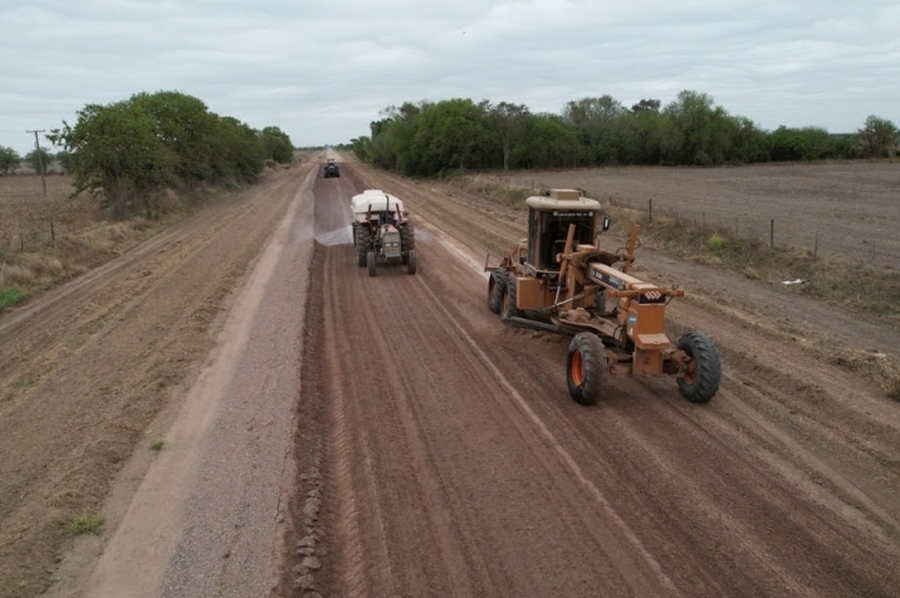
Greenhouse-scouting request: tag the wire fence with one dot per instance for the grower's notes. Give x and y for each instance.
(806, 235)
(27, 236)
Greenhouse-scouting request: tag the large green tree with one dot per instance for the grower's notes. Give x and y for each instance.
(878, 138)
(549, 142)
(454, 134)
(132, 151)
(115, 152)
(599, 124)
(185, 126)
(276, 145)
(9, 160)
(509, 121)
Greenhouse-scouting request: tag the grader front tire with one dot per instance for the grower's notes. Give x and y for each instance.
(586, 368)
(509, 301)
(701, 381)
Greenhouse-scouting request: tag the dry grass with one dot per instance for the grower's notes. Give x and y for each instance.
(490, 187)
(46, 239)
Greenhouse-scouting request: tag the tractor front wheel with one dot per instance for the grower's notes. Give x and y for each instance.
(370, 262)
(586, 368)
(700, 380)
(496, 287)
(411, 261)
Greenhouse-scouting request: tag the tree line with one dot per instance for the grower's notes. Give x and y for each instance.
(37, 159)
(131, 152)
(432, 138)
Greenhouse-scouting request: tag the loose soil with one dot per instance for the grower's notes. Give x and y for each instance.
(389, 436)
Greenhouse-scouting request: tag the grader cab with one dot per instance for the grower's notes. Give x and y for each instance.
(559, 280)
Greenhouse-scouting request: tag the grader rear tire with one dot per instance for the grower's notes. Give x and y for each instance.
(370, 263)
(701, 382)
(508, 307)
(496, 287)
(586, 368)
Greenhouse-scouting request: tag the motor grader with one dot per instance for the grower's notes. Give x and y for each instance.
(382, 231)
(558, 279)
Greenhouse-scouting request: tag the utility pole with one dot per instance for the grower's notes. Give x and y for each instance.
(37, 149)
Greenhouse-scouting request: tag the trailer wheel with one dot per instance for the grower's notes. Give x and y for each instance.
(586, 368)
(496, 284)
(700, 381)
(411, 261)
(370, 262)
(508, 304)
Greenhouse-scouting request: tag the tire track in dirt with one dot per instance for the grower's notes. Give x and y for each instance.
(742, 480)
(398, 416)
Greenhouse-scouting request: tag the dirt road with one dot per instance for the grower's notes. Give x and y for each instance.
(454, 463)
(388, 436)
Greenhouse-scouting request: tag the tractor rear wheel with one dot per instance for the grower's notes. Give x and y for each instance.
(700, 382)
(363, 240)
(407, 240)
(411, 261)
(508, 304)
(370, 262)
(496, 287)
(586, 368)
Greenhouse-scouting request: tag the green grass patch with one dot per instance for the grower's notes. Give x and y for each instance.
(158, 444)
(86, 523)
(715, 243)
(10, 296)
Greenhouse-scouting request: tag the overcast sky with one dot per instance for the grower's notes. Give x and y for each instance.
(322, 71)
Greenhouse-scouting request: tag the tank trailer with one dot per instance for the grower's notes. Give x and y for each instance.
(382, 231)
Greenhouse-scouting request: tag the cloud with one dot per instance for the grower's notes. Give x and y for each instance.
(322, 71)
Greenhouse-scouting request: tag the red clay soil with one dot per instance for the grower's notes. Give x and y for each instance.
(422, 448)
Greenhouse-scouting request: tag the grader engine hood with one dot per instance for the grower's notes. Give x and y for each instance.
(641, 306)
